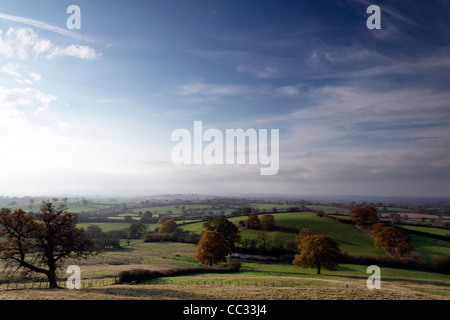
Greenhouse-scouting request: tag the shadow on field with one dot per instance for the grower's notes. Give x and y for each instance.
(286, 229)
(143, 293)
(388, 279)
(123, 249)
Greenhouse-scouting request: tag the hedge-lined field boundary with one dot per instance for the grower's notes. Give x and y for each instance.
(142, 275)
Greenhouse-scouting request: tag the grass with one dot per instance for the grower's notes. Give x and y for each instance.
(438, 231)
(73, 207)
(393, 209)
(351, 239)
(269, 206)
(429, 247)
(175, 211)
(105, 226)
(326, 209)
(256, 281)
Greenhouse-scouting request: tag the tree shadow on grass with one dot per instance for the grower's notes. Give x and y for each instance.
(147, 293)
(390, 279)
(122, 249)
(286, 229)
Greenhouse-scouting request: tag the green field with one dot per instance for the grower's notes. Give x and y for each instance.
(73, 207)
(428, 247)
(438, 231)
(351, 240)
(393, 209)
(326, 209)
(157, 210)
(105, 226)
(255, 281)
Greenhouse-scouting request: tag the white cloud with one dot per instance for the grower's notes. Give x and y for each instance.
(209, 89)
(36, 76)
(43, 25)
(11, 69)
(25, 43)
(20, 73)
(24, 97)
(198, 91)
(77, 51)
(288, 91)
(260, 72)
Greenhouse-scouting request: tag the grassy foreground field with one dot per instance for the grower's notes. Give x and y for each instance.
(255, 281)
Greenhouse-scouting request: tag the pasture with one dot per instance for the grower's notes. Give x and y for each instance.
(255, 281)
(351, 239)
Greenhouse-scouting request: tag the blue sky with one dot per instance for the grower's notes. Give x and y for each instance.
(91, 111)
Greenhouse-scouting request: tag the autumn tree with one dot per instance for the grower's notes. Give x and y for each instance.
(364, 216)
(228, 229)
(163, 219)
(253, 221)
(93, 231)
(304, 232)
(211, 249)
(136, 230)
(267, 222)
(168, 226)
(392, 239)
(318, 251)
(146, 217)
(394, 218)
(42, 242)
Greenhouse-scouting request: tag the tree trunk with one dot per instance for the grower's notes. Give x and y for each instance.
(51, 275)
(52, 281)
(318, 268)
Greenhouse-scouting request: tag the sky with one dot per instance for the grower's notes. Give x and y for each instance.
(91, 111)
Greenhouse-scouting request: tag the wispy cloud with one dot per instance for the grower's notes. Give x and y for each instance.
(197, 91)
(386, 8)
(17, 104)
(44, 26)
(25, 43)
(259, 72)
(19, 74)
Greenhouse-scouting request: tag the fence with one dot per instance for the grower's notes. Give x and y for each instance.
(198, 282)
(61, 284)
(161, 281)
(224, 282)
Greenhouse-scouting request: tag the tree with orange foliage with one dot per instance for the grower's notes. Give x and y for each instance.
(267, 222)
(42, 242)
(318, 251)
(364, 216)
(392, 239)
(211, 249)
(304, 232)
(168, 226)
